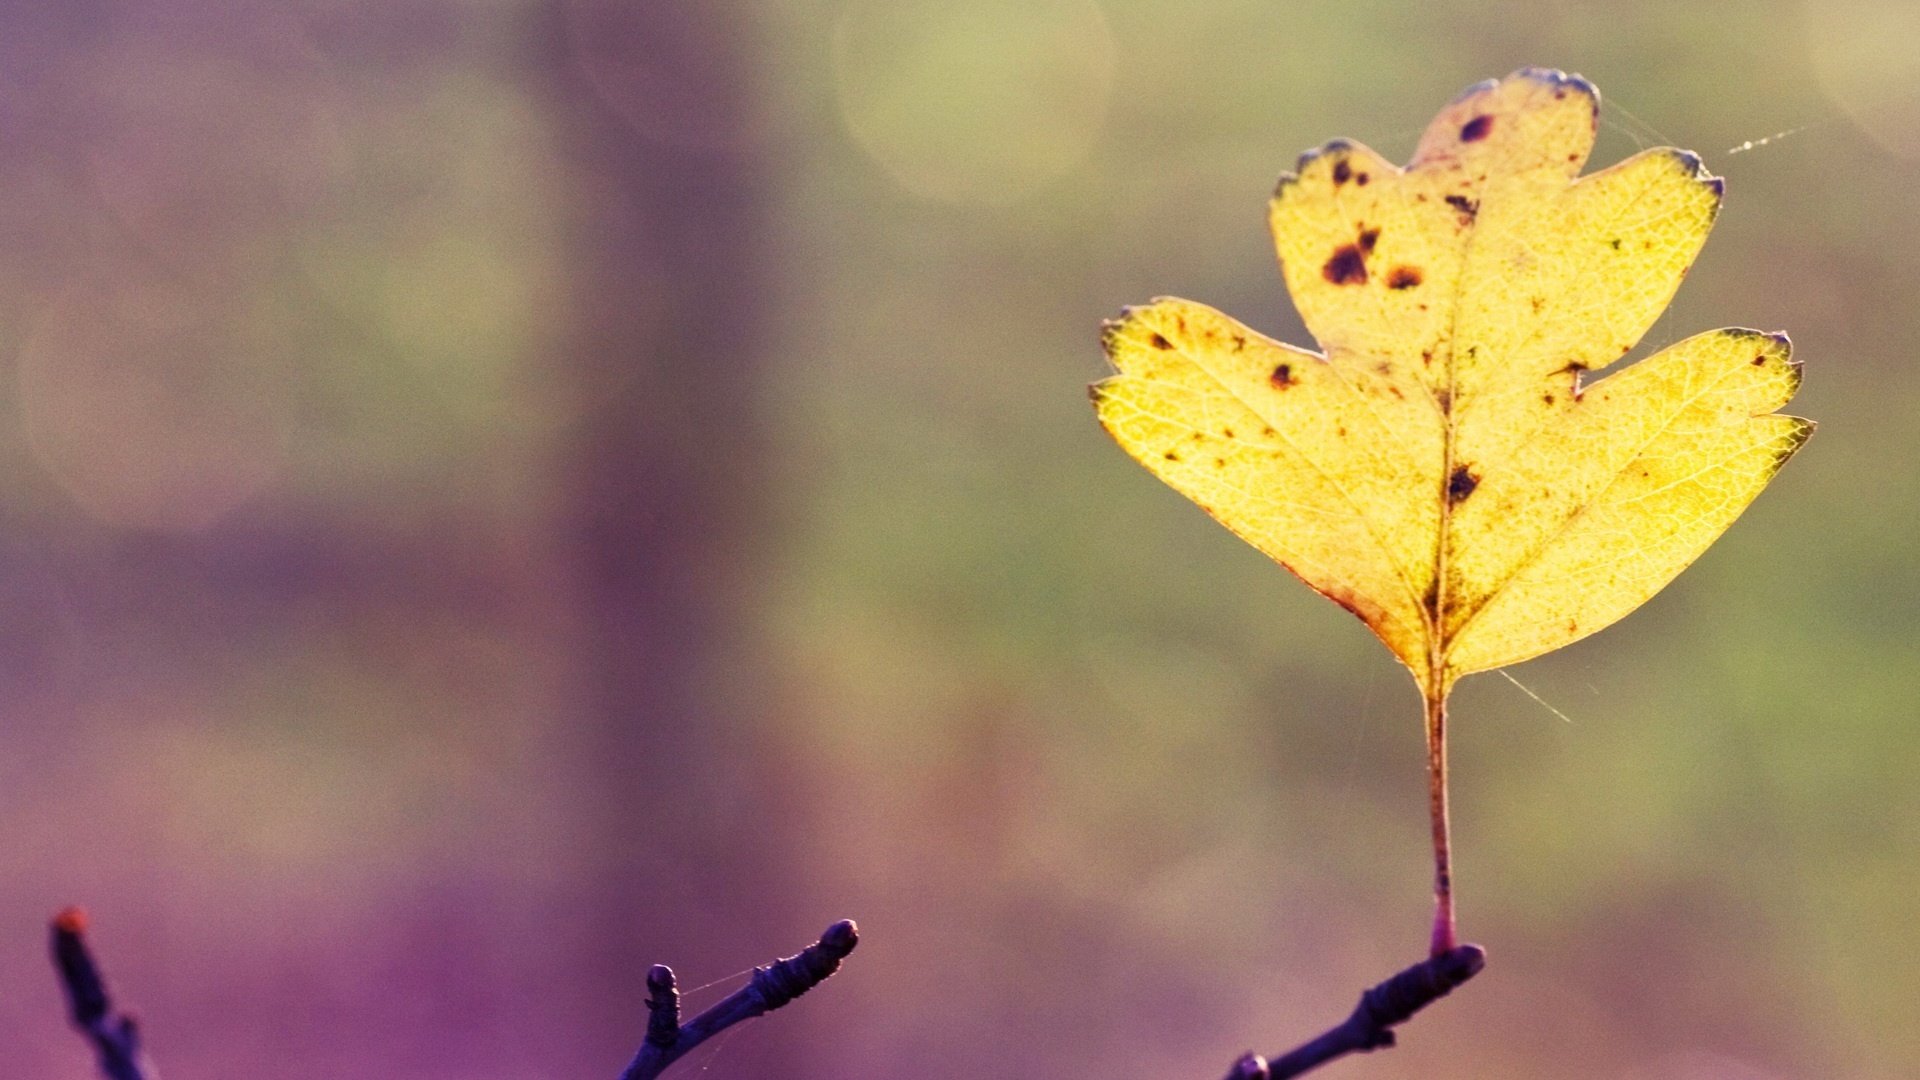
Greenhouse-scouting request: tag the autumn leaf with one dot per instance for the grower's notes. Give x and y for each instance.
(1443, 467)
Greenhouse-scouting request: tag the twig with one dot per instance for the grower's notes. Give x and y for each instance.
(771, 987)
(115, 1036)
(1370, 1027)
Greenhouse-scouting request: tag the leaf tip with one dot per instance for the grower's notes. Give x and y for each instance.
(1484, 86)
(1558, 79)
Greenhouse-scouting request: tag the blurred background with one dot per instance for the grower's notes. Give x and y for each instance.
(494, 495)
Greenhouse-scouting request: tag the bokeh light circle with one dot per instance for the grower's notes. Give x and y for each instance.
(977, 103)
(149, 417)
(1866, 62)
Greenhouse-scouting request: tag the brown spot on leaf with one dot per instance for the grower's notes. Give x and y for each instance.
(1444, 398)
(1160, 342)
(1361, 179)
(1369, 612)
(1759, 360)
(1368, 237)
(1461, 484)
(1468, 208)
(1476, 129)
(1341, 172)
(1346, 266)
(1171, 456)
(1282, 376)
(1239, 342)
(1227, 431)
(1538, 302)
(1548, 398)
(1431, 599)
(1615, 242)
(1403, 277)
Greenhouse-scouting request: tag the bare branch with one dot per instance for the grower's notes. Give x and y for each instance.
(1371, 1025)
(115, 1036)
(771, 987)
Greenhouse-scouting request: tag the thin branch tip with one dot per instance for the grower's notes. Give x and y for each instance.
(668, 1039)
(1251, 1066)
(663, 1007)
(1381, 1008)
(841, 937)
(115, 1037)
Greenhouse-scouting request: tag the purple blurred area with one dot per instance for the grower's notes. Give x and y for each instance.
(496, 494)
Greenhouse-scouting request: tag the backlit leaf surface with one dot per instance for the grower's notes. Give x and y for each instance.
(1441, 467)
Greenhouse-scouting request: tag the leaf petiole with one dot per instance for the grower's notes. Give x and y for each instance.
(1445, 938)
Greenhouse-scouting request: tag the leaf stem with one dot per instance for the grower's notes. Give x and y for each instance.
(1444, 935)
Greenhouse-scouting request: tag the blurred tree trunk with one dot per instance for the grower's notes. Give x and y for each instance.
(669, 305)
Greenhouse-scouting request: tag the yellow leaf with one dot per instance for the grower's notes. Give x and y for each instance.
(1441, 468)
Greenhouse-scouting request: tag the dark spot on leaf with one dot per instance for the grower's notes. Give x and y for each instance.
(1367, 239)
(1196, 437)
(1171, 456)
(1444, 398)
(1346, 266)
(1476, 129)
(1431, 599)
(1403, 277)
(1340, 430)
(1361, 179)
(1426, 356)
(1268, 432)
(1759, 360)
(1548, 398)
(1573, 627)
(1467, 207)
(1574, 367)
(1461, 484)
(1161, 342)
(1282, 376)
(1341, 173)
(1219, 463)
(1615, 242)
(1227, 431)
(1538, 302)
(1239, 342)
